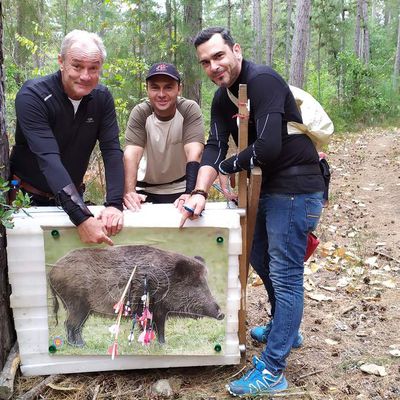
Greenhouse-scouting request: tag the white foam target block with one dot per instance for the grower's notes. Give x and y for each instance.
(179, 288)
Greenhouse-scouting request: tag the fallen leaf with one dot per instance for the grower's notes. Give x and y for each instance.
(343, 282)
(389, 284)
(331, 342)
(319, 297)
(307, 271)
(314, 267)
(358, 271)
(64, 388)
(372, 261)
(373, 369)
(257, 281)
(329, 288)
(341, 325)
(340, 251)
(395, 353)
(352, 256)
(309, 285)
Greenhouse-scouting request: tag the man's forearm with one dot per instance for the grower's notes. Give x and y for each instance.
(132, 157)
(130, 178)
(205, 178)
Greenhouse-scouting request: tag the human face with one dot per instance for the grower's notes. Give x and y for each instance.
(163, 92)
(221, 63)
(80, 69)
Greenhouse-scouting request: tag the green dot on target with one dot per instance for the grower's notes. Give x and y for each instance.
(52, 349)
(220, 239)
(217, 348)
(55, 233)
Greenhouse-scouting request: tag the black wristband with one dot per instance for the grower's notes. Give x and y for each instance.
(201, 192)
(72, 203)
(118, 206)
(192, 168)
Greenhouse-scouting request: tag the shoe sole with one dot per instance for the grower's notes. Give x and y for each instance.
(269, 393)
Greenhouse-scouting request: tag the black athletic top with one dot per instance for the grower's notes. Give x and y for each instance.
(53, 146)
(272, 105)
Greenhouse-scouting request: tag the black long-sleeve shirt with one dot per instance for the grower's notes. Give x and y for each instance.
(53, 145)
(272, 105)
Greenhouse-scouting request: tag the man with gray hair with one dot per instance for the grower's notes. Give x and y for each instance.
(60, 117)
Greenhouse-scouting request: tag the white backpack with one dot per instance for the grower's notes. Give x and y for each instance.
(316, 123)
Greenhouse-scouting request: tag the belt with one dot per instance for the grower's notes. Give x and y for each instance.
(29, 188)
(142, 184)
(311, 169)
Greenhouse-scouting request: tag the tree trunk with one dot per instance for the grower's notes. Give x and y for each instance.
(365, 47)
(191, 70)
(7, 332)
(175, 19)
(300, 40)
(257, 29)
(340, 84)
(269, 32)
(288, 36)
(357, 34)
(168, 12)
(397, 60)
(229, 19)
(65, 17)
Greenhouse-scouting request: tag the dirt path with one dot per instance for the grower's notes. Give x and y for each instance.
(352, 301)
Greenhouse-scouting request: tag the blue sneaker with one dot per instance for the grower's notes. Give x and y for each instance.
(257, 381)
(260, 333)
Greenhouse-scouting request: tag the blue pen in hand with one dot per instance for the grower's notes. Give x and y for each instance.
(188, 209)
(191, 210)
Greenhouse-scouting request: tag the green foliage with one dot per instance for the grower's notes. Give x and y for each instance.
(7, 211)
(138, 33)
(123, 77)
(361, 100)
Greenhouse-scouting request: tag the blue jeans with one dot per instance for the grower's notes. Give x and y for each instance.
(277, 255)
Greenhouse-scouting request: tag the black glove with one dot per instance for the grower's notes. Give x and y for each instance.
(72, 203)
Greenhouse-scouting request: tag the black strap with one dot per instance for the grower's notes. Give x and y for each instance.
(143, 184)
(311, 169)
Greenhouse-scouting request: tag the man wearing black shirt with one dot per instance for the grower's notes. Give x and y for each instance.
(60, 117)
(291, 193)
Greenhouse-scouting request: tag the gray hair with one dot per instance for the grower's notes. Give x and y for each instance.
(76, 36)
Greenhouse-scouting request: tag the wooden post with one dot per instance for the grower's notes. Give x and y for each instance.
(253, 197)
(248, 199)
(242, 202)
(7, 375)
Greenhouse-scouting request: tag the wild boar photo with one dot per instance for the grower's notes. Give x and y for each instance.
(90, 281)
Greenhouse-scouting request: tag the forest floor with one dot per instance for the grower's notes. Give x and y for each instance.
(352, 298)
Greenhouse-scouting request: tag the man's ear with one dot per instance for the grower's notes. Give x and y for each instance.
(60, 62)
(180, 84)
(237, 50)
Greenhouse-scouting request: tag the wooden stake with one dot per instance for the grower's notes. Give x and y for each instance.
(38, 389)
(7, 375)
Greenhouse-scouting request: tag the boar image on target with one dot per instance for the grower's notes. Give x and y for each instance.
(91, 281)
